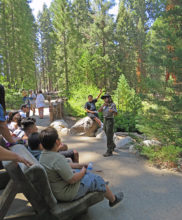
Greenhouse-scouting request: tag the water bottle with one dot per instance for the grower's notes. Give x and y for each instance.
(90, 166)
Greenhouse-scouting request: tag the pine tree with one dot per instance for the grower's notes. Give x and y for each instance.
(47, 50)
(63, 25)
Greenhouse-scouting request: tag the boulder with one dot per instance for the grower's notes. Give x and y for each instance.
(84, 127)
(99, 130)
(59, 124)
(132, 149)
(124, 142)
(115, 138)
(101, 135)
(149, 143)
(64, 132)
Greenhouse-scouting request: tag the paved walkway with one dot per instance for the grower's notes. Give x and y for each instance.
(150, 194)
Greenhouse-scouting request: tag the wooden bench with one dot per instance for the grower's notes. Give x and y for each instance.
(33, 183)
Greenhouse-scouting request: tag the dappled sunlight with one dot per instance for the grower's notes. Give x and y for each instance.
(86, 157)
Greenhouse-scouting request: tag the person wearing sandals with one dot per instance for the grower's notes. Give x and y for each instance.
(66, 184)
(109, 111)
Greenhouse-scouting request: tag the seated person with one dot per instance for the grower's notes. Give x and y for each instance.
(13, 121)
(3, 125)
(65, 184)
(35, 147)
(28, 126)
(24, 110)
(91, 109)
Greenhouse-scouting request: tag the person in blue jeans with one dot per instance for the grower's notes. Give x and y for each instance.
(67, 185)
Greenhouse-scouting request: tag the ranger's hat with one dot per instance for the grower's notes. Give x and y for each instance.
(105, 96)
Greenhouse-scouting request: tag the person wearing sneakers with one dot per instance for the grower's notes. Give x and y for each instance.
(66, 184)
(109, 111)
(90, 108)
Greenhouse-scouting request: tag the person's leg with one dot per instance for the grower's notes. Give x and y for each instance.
(41, 112)
(98, 121)
(33, 108)
(108, 135)
(94, 183)
(73, 154)
(76, 156)
(111, 144)
(109, 195)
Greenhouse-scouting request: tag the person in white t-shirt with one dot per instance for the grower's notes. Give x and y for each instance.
(40, 104)
(13, 121)
(32, 98)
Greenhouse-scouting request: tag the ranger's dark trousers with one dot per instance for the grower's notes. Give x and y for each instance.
(109, 130)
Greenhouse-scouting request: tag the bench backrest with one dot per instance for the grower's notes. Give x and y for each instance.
(32, 178)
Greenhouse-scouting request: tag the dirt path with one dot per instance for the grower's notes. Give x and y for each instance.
(150, 194)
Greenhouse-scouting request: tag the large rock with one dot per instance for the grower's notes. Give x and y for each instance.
(59, 124)
(84, 127)
(64, 132)
(149, 143)
(124, 143)
(100, 134)
(132, 149)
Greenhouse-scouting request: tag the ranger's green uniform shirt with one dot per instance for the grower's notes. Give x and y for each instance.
(59, 172)
(106, 109)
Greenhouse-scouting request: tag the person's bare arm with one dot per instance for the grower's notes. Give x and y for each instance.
(78, 165)
(101, 108)
(5, 132)
(63, 147)
(77, 176)
(89, 111)
(99, 94)
(9, 155)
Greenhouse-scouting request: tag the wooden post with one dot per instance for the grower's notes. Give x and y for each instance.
(56, 110)
(51, 112)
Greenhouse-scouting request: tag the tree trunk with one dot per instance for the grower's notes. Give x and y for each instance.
(66, 64)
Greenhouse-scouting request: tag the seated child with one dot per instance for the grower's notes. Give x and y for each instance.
(65, 184)
(24, 110)
(35, 147)
(91, 109)
(28, 126)
(13, 121)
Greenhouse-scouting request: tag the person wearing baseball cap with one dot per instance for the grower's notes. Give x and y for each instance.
(109, 111)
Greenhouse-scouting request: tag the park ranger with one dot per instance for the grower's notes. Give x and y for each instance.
(109, 111)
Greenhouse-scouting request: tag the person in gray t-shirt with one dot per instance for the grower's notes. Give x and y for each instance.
(109, 111)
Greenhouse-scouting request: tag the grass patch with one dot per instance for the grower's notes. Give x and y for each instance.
(166, 156)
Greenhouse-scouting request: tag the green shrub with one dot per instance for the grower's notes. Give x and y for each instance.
(128, 104)
(78, 98)
(125, 121)
(161, 155)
